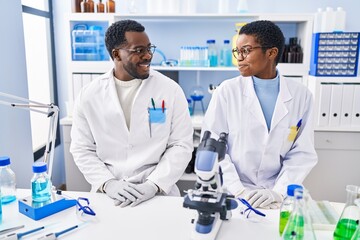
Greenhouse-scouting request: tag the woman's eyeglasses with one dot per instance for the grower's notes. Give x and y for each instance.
(245, 51)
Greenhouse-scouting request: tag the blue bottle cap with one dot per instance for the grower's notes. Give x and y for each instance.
(39, 167)
(291, 189)
(4, 161)
(226, 41)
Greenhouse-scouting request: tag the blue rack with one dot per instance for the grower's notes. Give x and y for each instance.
(335, 54)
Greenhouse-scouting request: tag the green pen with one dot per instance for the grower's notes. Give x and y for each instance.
(153, 103)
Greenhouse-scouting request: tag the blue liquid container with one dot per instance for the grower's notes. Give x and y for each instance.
(212, 53)
(0, 210)
(226, 54)
(7, 181)
(40, 183)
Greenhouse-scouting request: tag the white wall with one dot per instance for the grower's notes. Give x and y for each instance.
(15, 135)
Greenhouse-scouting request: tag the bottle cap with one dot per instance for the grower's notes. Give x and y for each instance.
(210, 41)
(226, 41)
(4, 161)
(39, 167)
(291, 189)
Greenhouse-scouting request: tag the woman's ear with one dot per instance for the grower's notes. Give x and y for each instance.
(273, 52)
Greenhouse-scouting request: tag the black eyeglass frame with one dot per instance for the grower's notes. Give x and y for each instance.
(141, 51)
(246, 50)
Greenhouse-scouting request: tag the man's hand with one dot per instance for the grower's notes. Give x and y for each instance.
(148, 190)
(120, 191)
(264, 198)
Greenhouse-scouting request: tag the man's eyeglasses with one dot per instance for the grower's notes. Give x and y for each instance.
(245, 51)
(83, 207)
(249, 209)
(141, 51)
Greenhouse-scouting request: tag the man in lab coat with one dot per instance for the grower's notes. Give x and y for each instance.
(268, 119)
(131, 132)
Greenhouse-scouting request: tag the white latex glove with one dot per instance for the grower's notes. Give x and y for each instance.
(121, 190)
(264, 198)
(148, 190)
(243, 193)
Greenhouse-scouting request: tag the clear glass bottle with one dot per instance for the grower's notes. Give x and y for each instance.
(7, 181)
(110, 6)
(225, 54)
(40, 183)
(212, 52)
(350, 216)
(100, 7)
(299, 226)
(356, 235)
(287, 206)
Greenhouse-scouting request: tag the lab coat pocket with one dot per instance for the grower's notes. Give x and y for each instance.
(288, 140)
(157, 122)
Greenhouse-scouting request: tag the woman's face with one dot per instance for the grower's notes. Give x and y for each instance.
(252, 60)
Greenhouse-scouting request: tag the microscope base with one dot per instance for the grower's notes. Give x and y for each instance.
(195, 235)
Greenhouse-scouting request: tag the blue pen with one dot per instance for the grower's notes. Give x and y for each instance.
(298, 125)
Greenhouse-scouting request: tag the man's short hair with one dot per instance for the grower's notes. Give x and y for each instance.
(266, 33)
(115, 34)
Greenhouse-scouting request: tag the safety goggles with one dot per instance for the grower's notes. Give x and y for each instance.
(83, 210)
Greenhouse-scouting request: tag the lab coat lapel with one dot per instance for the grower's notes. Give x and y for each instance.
(252, 102)
(281, 109)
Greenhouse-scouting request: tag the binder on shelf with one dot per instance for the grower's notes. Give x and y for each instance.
(347, 104)
(324, 105)
(335, 104)
(76, 84)
(355, 118)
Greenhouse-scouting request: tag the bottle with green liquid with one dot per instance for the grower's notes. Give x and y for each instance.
(356, 235)
(299, 226)
(287, 206)
(350, 216)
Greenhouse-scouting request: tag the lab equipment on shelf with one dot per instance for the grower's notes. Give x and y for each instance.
(350, 216)
(194, 56)
(299, 225)
(88, 43)
(225, 54)
(100, 7)
(212, 52)
(0, 209)
(7, 181)
(197, 95)
(110, 6)
(335, 54)
(40, 183)
(287, 206)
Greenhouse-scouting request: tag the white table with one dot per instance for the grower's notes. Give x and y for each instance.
(158, 219)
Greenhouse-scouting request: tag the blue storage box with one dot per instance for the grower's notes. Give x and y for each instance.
(335, 54)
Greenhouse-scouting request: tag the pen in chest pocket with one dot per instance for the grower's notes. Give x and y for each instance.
(149, 119)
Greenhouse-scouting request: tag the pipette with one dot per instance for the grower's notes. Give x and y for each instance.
(53, 236)
(16, 236)
(11, 229)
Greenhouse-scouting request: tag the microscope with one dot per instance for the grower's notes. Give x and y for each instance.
(213, 205)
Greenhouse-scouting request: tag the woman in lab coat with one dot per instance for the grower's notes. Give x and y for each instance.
(131, 132)
(268, 119)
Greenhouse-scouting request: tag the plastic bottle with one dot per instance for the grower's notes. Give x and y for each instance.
(7, 181)
(348, 221)
(110, 6)
(238, 26)
(317, 21)
(328, 20)
(100, 7)
(40, 183)
(340, 16)
(212, 52)
(242, 6)
(225, 54)
(0, 210)
(223, 6)
(299, 226)
(287, 206)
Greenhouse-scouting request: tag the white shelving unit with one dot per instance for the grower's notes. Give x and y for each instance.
(169, 33)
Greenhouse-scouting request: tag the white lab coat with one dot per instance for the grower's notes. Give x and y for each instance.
(258, 158)
(103, 148)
